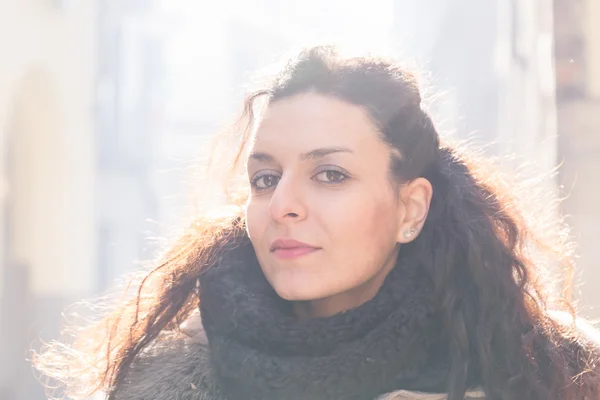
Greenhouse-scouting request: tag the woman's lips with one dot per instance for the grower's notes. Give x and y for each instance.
(293, 252)
(288, 249)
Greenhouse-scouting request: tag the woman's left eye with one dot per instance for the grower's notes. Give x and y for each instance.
(330, 176)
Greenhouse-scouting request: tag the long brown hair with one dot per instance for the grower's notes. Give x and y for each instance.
(476, 246)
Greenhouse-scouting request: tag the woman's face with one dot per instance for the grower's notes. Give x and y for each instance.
(323, 216)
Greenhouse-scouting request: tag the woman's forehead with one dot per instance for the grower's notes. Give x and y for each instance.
(314, 120)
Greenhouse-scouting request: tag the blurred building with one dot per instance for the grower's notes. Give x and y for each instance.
(128, 127)
(577, 25)
(47, 179)
(492, 63)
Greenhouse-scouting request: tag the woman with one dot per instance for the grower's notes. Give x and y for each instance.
(363, 259)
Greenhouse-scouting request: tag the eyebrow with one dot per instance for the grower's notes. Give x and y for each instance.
(311, 155)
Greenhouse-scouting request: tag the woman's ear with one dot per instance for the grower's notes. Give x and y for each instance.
(415, 197)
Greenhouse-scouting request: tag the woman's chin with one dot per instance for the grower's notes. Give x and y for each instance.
(295, 294)
(304, 292)
(299, 284)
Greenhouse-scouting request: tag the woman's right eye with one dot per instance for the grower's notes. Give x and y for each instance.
(264, 182)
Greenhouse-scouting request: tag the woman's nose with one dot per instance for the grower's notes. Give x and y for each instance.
(286, 202)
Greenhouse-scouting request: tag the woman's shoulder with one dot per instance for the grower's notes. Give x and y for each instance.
(584, 329)
(175, 366)
(581, 349)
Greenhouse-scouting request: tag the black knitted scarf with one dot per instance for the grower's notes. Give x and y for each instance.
(260, 351)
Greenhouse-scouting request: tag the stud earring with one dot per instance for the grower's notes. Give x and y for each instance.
(408, 234)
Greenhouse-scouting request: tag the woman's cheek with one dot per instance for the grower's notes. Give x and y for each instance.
(256, 217)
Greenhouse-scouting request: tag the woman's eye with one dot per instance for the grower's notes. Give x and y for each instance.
(330, 176)
(263, 182)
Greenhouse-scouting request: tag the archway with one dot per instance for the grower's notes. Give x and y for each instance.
(48, 225)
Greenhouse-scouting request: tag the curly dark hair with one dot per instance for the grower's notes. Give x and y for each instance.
(481, 255)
